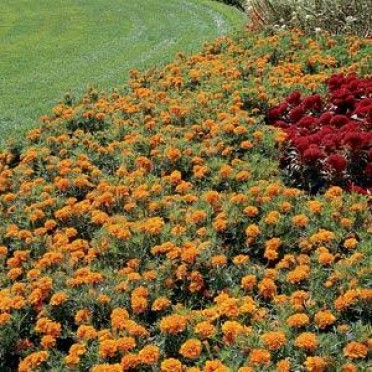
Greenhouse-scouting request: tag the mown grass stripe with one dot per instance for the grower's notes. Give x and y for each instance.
(47, 50)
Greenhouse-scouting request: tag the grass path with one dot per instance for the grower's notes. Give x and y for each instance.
(47, 49)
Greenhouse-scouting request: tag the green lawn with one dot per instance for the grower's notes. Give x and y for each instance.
(48, 48)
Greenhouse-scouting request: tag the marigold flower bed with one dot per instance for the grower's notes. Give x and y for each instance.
(149, 229)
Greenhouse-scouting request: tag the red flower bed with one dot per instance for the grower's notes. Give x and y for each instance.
(329, 140)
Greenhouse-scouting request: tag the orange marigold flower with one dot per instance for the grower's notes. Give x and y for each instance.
(104, 334)
(100, 115)
(107, 368)
(229, 307)
(283, 365)
(118, 318)
(191, 349)
(14, 273)
(220, 224)
(171, 365)
(315, 206)
(240, 259)
(173, 324)
(248, 282)
(355, 350)
(267, 288)
(348, 367)
(33, 361)
(107, 348)
(4, 318)
(3, 251)
(333, 192)
(285, 207)
(299, 274)
(215, 366)
(271, 254)
(149, 355)
(160, 304)
(325, 257)
(298, 320)
(252, 231)
(231, 330)
(242, 176)
(173, 154)
(125, 343)
(245, 369)
(350, 243)
(211, 196)
(154, 225)
(48, 341)
(82, 316)
(219, 260)
(86, 332)
(306, 341)
(58, 298)
(251, 211)
(175, 177)
(103, 299)
(139, 304)
(323, 319)
(300, 220)
(274, 340)
(130, 361)
(273, 243)
(346, 300)
(225, 171)
(272, 218)
(48, 327)
(315, 364)
(205, 330)
(198, 216)
(259, 356)
(72, 360)
(322, 236)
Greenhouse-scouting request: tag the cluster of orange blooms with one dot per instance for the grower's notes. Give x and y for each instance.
(149, 230)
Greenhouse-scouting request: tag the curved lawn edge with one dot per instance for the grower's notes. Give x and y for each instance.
(45, 58)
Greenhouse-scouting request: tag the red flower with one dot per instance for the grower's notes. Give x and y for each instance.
(369, 154)
(294, 98)
(343, 123)
(337, 162)
(335, 82)
(313, 103)
(302, 143)
(296, 114)
(357, 189)
(313, 154)
(339, 120)
(307, 122)
(325, 118)
(368, 170)
(354, 139)
(278, 111)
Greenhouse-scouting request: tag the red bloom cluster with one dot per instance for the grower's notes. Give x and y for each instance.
(329, 141)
